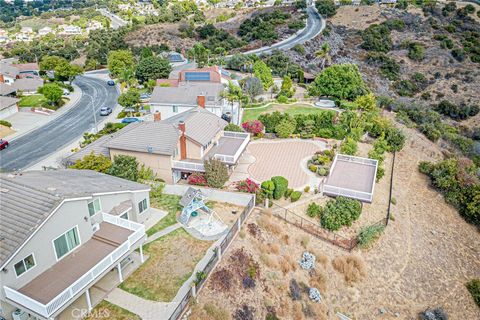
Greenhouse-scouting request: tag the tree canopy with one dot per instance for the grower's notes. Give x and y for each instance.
(120, 61)
(341, 81)
(263, 72)
(52, 92)
(152, 68)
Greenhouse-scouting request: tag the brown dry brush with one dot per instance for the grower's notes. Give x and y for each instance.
(254, 230)
(352, 267)
(222, 280)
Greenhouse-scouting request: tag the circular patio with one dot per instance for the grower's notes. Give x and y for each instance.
(285, 158)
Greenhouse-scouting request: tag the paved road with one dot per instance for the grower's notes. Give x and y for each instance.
(45, 140)
(116, 21)
(315, 25)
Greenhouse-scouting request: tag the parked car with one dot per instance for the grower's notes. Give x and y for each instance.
(145, 96)
(66, 92)
(131, 120)
(111, 83)
(3, 144)
(105, 111)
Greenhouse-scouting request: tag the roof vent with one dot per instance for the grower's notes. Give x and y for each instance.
(51, 189)
(4, 190)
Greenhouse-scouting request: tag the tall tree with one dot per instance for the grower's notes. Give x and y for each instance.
(263, 72)
(152, 68)
(52, 92)
(119, 61)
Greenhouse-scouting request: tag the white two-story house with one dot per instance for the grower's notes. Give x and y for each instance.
(60, 233)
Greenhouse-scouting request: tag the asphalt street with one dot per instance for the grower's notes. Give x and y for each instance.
(45, 140)
(315, 25)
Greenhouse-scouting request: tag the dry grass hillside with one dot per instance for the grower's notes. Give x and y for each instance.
(423, 259)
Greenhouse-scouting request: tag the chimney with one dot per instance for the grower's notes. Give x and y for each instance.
(183, 141)
(201, 101)
(157, 116)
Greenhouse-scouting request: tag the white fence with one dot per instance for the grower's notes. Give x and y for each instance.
(336, 191)
(46, 310)
(190, 166)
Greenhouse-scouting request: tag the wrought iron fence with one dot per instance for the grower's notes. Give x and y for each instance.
(182, 306)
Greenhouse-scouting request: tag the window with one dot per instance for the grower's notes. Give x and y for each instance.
(94, 207)
(24, 265)
(66, 242)
(175, 109)
(142, 205)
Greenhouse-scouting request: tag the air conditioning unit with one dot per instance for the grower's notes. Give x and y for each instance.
(19, 315)
(95, 227)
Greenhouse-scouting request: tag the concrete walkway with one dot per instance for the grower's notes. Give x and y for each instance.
(163, 232)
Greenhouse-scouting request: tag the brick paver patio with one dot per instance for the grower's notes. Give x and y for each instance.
(282, 158)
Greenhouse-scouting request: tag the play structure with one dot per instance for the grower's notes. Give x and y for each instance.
(198, 219)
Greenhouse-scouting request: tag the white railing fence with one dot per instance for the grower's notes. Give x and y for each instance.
(354, 159)
(336, 191)
(186, 165)
(70, 292)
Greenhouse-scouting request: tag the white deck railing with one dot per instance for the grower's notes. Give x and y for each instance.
(367, 161)
(233, 159)
(46, 310)
(187, 165)
(336, 191)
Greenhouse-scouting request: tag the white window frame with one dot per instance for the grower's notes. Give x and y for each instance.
(79, 243)
(26, 270)
(146, 206)
(99, 204)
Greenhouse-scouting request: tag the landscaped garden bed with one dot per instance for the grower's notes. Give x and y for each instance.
(172, 259)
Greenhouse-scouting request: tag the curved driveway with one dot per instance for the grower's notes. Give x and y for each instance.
(315, 25)
(45, 140)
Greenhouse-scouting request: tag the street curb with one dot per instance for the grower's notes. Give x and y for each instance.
(56, 114)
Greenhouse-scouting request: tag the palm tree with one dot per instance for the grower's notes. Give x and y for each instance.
(324, 53)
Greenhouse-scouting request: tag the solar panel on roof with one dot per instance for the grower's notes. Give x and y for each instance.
(197, 76)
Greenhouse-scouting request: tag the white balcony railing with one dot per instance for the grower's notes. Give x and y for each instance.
(337, 191)
(233, 159)
(187, 165)
(46, 310)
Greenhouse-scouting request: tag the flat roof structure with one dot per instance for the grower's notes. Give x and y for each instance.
(352, 177)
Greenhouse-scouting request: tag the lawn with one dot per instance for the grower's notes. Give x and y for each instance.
(167, 202)
(172, 259)
(34, 100)
(107, 310)
(252, 114)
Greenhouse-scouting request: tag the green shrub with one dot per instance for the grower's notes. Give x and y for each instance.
(306, 189)
(323, 171)
(473, 287)
(340, 212)
(281, 186)
(288, 193)
(312, 168)
(349, 146)
(313, 210)
(369, 234)
(295, 196)
(416, 51)
(268, 187)
(377, 38)
(282, 99)
(5, 123)
(216, 173)
(285, 128)
(233, 128)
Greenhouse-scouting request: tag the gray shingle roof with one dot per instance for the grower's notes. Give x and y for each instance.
(153, 137)
(6, 89)
(27, 199)
(28, 84)
(9, 70)
(22, 210)
(186, 94)
(200, 124)
(6, 102)
(75, 183)
(99, 146)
